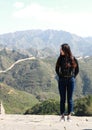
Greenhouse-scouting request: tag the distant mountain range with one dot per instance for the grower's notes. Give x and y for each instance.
(22, 77)
(46, 43)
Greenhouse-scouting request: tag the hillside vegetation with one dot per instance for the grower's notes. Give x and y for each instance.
(28, 82)
(35, 81)
(82, 107)
(15, 101)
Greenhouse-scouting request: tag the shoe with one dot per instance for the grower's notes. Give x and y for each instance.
(62, 118)
(69, 118)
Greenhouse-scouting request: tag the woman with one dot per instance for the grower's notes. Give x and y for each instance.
(67, 69)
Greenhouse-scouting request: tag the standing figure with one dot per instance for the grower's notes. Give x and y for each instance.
(67, 69)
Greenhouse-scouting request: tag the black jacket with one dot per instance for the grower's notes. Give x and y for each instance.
(61, 69)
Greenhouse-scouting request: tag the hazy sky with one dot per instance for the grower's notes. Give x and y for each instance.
(74, 16)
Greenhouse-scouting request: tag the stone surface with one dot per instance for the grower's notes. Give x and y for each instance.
(43, 122)
(2, 111)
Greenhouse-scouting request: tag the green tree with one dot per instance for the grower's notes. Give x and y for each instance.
(83, 106)
(46, 107)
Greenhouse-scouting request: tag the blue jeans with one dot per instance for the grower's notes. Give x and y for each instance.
(66, 85)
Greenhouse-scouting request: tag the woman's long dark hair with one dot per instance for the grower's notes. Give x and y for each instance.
(67, 52)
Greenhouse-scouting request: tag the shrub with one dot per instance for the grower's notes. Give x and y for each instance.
(46, 107)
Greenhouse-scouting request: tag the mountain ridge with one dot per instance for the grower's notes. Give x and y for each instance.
(37, 76)
(39, 39)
